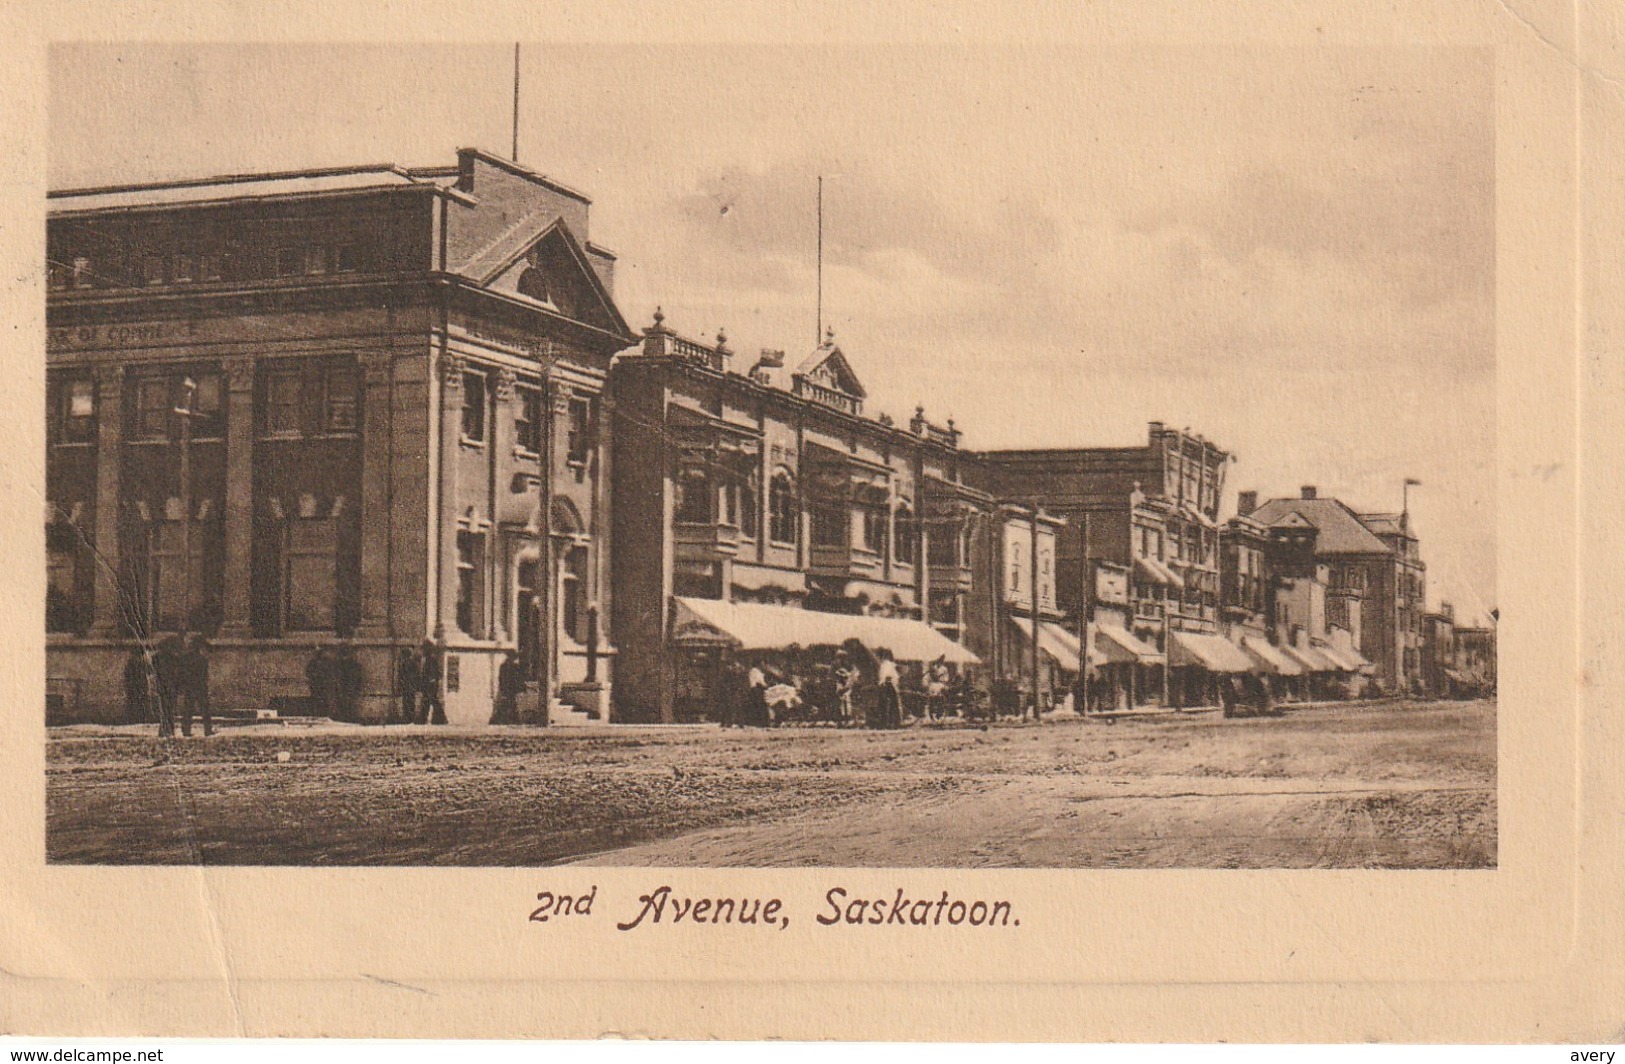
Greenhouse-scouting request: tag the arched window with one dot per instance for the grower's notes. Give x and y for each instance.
(783, 514)
(906, 535)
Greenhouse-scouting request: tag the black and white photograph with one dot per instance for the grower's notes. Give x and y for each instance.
(825, 456)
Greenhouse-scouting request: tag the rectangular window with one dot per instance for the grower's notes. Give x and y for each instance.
(77, 413)
(58, 275)
(573, 595)
(693, 503)
(152, 408)
(311, 570)
(82, 277)
(470, 564)
(152, 269)
(208, 268)
(474, 407)
(282, 403)
(346, 258)
(185, 266)
(527, 419)
(580, 438)
(174, 582)
(207, 422)
(339, 411)
(830, 520)
(288, 262)
(874, 530)
(316, 260)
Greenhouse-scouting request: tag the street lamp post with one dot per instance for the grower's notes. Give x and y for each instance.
(186, 412)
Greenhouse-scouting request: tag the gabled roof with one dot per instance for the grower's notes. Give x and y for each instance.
(516, 249)
(1341, 531)
(828, 354)
(1385, 524)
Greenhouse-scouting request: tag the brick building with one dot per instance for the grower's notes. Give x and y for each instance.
(758, 508)
(1154, 511)
(356, 406)
(1374, 586)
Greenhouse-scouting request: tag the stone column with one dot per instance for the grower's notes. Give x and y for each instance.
(238, 577)
(107, 616)
(376, 430)
(445, 516)
(498, 561)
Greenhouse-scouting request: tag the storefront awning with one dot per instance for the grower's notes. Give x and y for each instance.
(1150, 570)
(1270, 658)
(1342, 658)
(1118, 646)
(1313, 660)
(1053, 640)
(1211, 652)
(755, 626)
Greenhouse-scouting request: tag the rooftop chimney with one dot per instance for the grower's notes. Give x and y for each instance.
(1309, 492)
(1246, 503)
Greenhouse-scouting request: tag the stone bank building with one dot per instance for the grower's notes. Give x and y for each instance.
(360, 405)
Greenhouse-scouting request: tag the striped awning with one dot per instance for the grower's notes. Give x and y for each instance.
(1211, 652)
(1057, 642)
(756, 626)
(1118, 646)
(1269, 658)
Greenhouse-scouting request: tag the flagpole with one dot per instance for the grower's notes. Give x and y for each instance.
(515, 155)
(818, 338)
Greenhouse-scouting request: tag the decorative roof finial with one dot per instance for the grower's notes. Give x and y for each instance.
(829, 334)
(660, 317)
(722, 337)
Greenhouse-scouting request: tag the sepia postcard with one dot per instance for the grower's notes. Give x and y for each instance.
(1008, 523)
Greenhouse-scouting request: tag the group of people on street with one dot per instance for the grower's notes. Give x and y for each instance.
(815, 686)
(169, 682)
(336, 681)
(417, 685)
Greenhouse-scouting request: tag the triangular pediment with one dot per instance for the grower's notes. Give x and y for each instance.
(829, 367)
(1293, 519)
(553, 272)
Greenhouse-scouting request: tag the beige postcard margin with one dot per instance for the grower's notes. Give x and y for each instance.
(1531, 951)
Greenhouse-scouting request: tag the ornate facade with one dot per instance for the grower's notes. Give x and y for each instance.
(356, 406)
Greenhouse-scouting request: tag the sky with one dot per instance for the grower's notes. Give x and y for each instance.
(1290, 251)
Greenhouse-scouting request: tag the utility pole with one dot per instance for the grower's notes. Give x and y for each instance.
(515, 155)
(1086, 601)
(186, 411)
(1032, 589)
(819, 337)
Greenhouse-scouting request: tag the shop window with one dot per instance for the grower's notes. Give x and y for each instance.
(470, 565)
(908, 533)
(310, 565)
(474, 402)
(527, 419)
(782, 510)
(207, 406)
(1015, 568)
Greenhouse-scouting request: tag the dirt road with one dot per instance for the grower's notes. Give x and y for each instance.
(1393, 785)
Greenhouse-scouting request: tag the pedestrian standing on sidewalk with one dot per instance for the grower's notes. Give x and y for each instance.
(194, 683)
(408, 678)
(510, 682)
(432, 706)
(890, 690)
(137, 687)
(166, 667)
